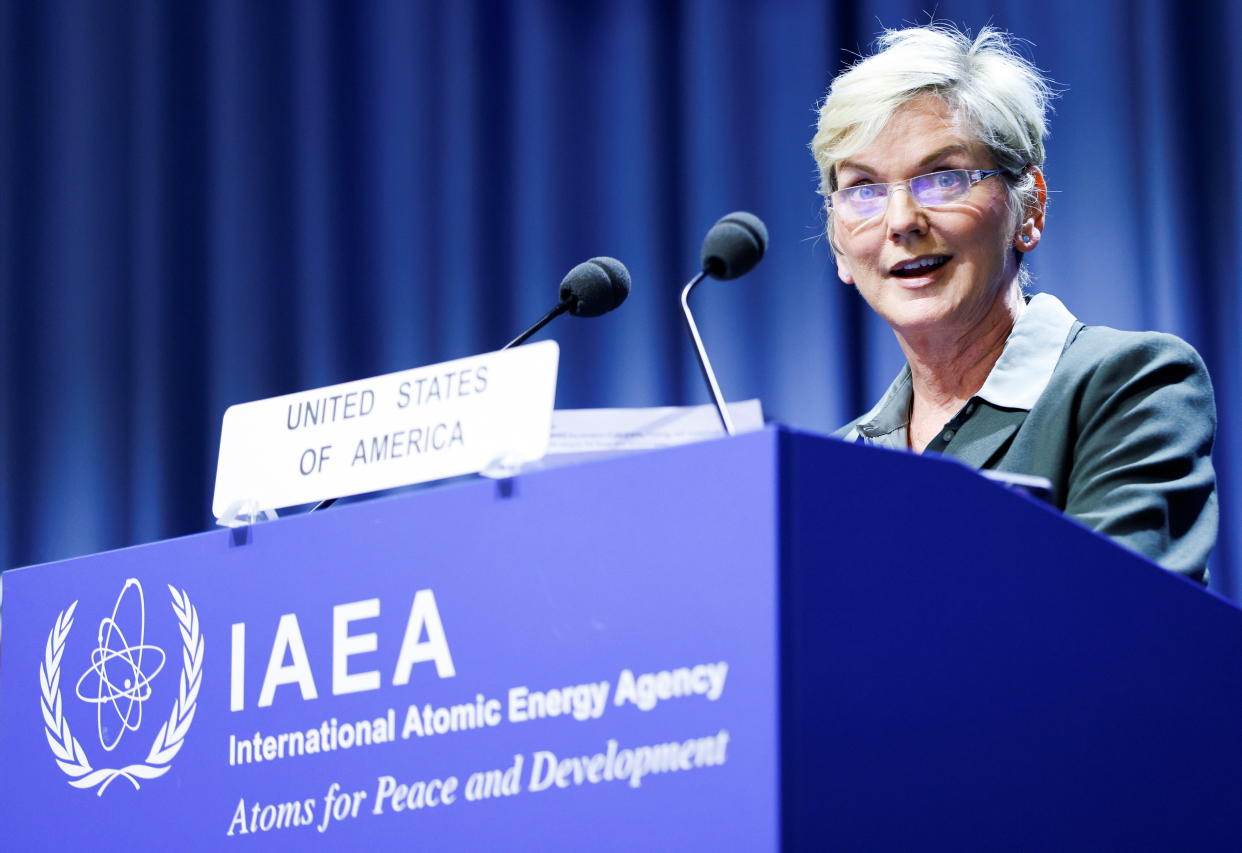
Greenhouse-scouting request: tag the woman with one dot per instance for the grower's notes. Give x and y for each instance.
(930, 154)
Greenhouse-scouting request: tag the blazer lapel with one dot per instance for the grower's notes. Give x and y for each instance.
(985, 434)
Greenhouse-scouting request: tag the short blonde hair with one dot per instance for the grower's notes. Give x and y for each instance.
(983, 79)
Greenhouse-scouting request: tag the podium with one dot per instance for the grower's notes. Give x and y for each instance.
(774, 641)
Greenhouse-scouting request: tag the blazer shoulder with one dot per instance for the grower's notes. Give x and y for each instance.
(1100, 364)
(1100, 357)
(1096, 345)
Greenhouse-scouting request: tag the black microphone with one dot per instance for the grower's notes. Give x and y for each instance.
(734, 245)
(731, 249)
(590, 289)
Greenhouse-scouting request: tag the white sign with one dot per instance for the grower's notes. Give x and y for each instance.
(417, 425)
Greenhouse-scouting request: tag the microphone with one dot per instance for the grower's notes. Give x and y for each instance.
(590, 289)
(731, 249)
(734, 245)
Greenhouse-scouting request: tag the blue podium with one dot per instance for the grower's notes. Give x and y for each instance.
(775, 641)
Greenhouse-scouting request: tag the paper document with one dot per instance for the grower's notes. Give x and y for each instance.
(605, 430)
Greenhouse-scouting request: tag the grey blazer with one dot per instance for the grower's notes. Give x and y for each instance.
(1124, 430)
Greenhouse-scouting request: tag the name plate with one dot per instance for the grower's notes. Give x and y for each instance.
(413, 426)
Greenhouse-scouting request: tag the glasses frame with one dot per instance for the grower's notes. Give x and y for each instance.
(974, 175)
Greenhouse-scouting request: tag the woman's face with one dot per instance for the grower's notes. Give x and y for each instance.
(969, 243)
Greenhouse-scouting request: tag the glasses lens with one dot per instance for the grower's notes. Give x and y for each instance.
(940, 187)
(862, 202)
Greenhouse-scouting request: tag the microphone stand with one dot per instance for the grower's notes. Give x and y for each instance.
(565, 305)
(704, 364)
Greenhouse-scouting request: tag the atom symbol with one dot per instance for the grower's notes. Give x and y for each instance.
(121, 682)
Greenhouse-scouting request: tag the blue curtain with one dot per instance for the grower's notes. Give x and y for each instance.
(208, 203)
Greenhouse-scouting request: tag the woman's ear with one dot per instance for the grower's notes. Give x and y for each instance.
(843, 270)
(1032, 227)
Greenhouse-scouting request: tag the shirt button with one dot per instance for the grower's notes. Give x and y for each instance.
(948, 435)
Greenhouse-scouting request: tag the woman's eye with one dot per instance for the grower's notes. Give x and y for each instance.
(946, 179)
(865, 192)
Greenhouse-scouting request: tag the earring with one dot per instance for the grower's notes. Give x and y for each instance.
(1026, 238)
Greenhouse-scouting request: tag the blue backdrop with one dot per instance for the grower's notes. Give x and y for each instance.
(207, 203)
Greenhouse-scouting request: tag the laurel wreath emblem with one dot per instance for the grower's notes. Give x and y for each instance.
(168, 741)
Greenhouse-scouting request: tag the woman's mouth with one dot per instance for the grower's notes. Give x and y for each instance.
(920, 266)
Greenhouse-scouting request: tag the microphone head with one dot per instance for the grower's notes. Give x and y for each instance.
(734, 245)
(598, 286)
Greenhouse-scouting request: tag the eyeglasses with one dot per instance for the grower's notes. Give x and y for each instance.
(854, 204)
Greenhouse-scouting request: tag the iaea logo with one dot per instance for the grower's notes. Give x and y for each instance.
(116, 671)
(117, 681)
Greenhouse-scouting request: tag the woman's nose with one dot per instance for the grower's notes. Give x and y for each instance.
(904, 215)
